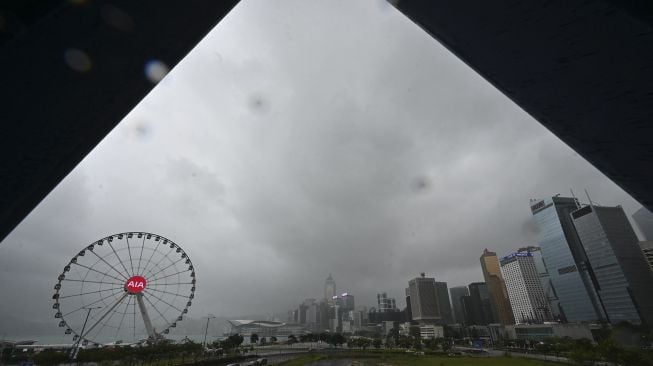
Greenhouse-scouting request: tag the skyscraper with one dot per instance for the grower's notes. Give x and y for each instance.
(644, 220)
(423, 300)
(330, 290)
(545, 280)
(496, 286)
(566, 259)
(647, 249)
(385, 304)
(444, 305)
(457, 294)
(477, 306)
(625, 282)
(529, 304)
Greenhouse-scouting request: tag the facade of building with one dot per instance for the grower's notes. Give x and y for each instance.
(644, 220)
(624, 280)
(385, 303)
(477, 306)
(527, 298)
(497, 287)
(539, 332)
(647, 250)
(457, 294)
(565, 259)
(442, 294)
(423, 300)
(330, 290)
(545, 280)
(429, 331)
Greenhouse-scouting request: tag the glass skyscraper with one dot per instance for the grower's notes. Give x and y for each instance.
(457, 294)
(625, 283)
(565, 259)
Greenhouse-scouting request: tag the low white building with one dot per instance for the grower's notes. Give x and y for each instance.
(431, 331)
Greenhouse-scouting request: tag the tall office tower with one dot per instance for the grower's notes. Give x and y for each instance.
(644, 220)
(346, 302)
(423, 300)
(529, 304)
(625, 282)
(408, 311)
(545, 280)
(457, 294)
(477, 306)
(385, 304)
(647, 249)
(566, 260)
(497, 287)
(442, 294)
(330, 290)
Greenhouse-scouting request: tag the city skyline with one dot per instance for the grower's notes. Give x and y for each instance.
(277, 152)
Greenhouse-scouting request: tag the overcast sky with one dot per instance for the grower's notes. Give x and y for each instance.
(302, 138)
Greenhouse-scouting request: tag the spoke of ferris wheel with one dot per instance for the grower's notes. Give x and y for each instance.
(140, 257)
(157, 310)
(91, 292)
(104, 324)
(169, 284)
(168, 266)
(107, 263)
(89, 281)
(161, 260)
(95, 270)
(163, 301)
(130, 257)
(105, 314)
(119, 259)
(150, 259)
(172, 274)
(124, 314)
(166, 292)
(85, 306)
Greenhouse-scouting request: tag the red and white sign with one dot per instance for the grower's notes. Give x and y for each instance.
(135, 284)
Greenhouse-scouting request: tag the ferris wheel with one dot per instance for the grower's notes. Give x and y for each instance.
(126, 287)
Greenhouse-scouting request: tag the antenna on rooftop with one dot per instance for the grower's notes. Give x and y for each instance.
(575, 199)
(588, 198)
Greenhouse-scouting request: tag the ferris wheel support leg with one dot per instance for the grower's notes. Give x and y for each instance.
(146, 317)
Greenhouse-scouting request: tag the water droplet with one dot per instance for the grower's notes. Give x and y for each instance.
(155, 70)
(77, 60)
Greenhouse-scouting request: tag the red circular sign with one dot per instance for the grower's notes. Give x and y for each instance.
(135, 284)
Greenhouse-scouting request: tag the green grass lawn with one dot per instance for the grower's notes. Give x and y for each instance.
(401, 360)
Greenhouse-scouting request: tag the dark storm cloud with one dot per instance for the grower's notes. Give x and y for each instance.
(302, 139)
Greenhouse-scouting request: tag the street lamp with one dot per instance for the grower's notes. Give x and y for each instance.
(75, 350)
(206, 330)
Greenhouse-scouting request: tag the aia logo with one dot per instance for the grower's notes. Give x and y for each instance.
(135, 284)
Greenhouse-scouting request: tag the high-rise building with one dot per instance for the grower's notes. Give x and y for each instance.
(624, 280)
(644, 220)
(346, 302)
(442, 294)
(477, 306)
(545, 280)
(408, 311)
(457, 294)
(423, 300)
(647, 249)
(330, 290)
(386, 304)
(565, 259)
(527, 299)
(497, 287)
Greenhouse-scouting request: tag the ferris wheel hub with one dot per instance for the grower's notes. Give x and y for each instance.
(135, 284)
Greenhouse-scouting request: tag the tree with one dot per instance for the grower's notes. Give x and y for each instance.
(292, 339)
(273, 339)
(377, 342)
(253, 338)
(337, 339)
